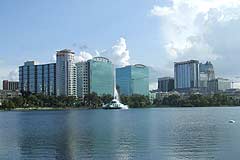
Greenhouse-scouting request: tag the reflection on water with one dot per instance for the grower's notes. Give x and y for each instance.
(185, 133)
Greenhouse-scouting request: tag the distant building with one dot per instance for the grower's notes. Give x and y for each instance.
(152, 95)
(133, 79)
(206, 73)
(8, 94)
(166, 84)
(208, 69)
(10, 85)
(66, 83)
(37, 78)
(219, 85)
(203, 83)
(95, 75)
(186, 75)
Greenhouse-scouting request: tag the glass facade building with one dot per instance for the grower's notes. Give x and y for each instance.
(38, 78)
(206, 73)
(219, 85)
(100, 76)
(165, 84)
(208, 69)
(133, 79)
(186, 75)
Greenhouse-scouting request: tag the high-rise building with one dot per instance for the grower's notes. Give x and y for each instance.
(203, 80)
(166, 84)
(82, 78)
(133, 79)
(101, 76)
(186, 75)
(95, 75)
(208, 69)
(206, 73)
(219, 85)
(66, 82)
(38, 78)
(10, 85)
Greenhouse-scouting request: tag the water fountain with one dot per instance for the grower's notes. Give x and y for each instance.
(115, 103)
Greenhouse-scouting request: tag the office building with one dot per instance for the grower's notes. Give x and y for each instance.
(186, 75)
(208, 69)
(10, 85)
(101, 76)
(95, 75)
(133, 79)
(206, 73)
(39, 79)
(66, 82)
(219, 85)
(82, 79)
(166, 84)
(203, 80)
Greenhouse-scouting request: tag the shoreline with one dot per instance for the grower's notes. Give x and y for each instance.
(43, 109)
(88, 108)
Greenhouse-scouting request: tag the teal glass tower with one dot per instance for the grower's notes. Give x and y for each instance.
(133, 79)
(101, 76)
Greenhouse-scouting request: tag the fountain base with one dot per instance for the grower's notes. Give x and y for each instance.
(115, 104)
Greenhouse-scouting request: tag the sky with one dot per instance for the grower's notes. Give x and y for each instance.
(152, 32)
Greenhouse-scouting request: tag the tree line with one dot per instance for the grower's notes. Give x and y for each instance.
(197, 100)
(91, 101)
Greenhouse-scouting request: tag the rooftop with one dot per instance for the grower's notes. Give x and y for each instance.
(187, 62)
(65, 51)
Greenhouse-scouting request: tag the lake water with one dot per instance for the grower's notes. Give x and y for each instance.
(167, 133)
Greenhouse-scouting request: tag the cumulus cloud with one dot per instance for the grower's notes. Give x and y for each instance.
(119, 53)
(83, 56)
(202, 29)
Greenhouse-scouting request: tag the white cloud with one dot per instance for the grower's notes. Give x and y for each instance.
(83, 56)
(120, 54)
(54, 58)
(161, 11)
(202, 29)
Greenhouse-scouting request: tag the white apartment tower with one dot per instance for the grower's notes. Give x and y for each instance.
(66, 82)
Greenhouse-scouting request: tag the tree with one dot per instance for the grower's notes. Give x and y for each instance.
(136, 100)
(8, 105)
(106, 98)
(93, 100)
(172, 100)
(18, 101)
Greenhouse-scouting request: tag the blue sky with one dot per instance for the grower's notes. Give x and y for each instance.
(34, 30)
(156, 32)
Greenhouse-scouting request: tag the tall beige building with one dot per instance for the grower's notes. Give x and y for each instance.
(66, 83)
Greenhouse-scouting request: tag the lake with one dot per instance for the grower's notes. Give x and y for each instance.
(161, 133)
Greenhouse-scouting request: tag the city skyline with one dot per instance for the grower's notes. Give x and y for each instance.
(145, 40)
